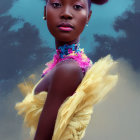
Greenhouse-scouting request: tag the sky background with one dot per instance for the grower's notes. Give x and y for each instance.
(26, 45)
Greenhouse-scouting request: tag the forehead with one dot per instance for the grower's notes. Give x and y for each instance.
(69, 0)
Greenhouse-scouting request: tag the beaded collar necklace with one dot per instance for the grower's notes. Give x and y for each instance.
(69, 52)
(66, 49)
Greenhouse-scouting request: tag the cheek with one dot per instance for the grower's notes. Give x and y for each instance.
(51, 22)
(82, 20)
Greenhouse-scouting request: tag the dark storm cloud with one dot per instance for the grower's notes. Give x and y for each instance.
(20, 51)
(127, 47)
(137, 5)
(6, 5)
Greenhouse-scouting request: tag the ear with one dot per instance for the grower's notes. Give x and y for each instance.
(45, 12)
(89, 15)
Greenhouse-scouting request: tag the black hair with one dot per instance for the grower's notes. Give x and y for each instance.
(99, 2)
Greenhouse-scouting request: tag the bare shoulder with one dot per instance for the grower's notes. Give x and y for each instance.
(67, 67)
(65, 79)
(68, 71)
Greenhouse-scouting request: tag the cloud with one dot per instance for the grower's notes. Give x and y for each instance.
(11, 125)
(21, 51)
(22, 54)
(5, 5)
(126, 47)
(118, 115)
(137, 5)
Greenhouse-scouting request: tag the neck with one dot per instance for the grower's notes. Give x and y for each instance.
(62, 43)
(68, 50)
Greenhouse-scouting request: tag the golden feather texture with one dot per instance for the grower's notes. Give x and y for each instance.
(74, 114)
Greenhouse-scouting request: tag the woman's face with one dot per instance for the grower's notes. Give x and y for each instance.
(66, 19)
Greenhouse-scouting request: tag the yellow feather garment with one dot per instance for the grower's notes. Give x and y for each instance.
(75, 113)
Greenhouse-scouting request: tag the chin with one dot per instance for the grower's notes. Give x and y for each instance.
(65, 38)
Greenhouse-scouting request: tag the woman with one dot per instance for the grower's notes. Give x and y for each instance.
(49, 117)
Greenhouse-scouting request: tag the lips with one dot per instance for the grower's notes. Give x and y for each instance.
(65, 27)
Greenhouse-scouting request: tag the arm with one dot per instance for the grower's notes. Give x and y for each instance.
(64, 82)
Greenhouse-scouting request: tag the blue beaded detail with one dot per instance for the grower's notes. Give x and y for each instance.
(63, 50)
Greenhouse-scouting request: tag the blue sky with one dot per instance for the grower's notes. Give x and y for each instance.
(101, 21)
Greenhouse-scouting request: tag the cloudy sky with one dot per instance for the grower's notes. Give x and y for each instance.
(26, 45)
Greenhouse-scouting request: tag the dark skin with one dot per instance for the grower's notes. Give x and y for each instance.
(63, 80)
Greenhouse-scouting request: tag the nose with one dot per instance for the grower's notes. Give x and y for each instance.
(66, 13)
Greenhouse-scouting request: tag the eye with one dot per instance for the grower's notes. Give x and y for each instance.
(56, 5)
(77, 7)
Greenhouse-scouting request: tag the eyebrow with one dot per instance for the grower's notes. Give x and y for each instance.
(79, 0)
(75, 0)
